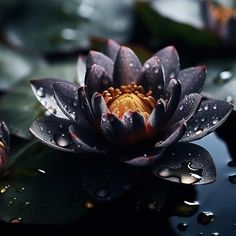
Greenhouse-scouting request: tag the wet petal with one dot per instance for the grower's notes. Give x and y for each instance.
(170, 61)
(108, 178)
(4, 135)
(173, 96)
(186, 163)
(156, 118)
(172, 135)
(111, 49)
(192, 80)
(114, 130)
(97, 80)
(81, 70)
(152, 78)
(127, 67)
(88, 143)
(55, 133)
(73, 102)
(187, 107)
(102, 60)
(145, 159)
(99, 106)
(43, 90)
(210, 115)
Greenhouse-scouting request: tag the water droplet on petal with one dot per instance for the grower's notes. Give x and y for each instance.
(4, 189)
(156, 70)
(102, 193)
(215, 234)
(215, 121)
(16, 220)
(19, 189)
(206, 107)
(186, 208)
(182, 226)
(205, 217)
(147, 66)
(24, 205)
(89, 205)
(40, 92)
(215, 107)
(131, 64)
(160, 86)
(181, 107)
(229, 99)
(61, 140)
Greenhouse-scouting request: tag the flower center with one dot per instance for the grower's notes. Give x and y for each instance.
(129, 97)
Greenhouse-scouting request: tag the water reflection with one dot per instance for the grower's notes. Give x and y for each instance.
(216, 212)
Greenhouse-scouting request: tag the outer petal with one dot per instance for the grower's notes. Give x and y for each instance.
(4, 135)
(43, 90)
(186, 163)
(81, 70)
(111, 49)
(152, 78)
(170, 61)
(127, 67)
(173, 135)
(73, 102)
(173, 96)
(55, 133)
(97, 80)
(192, 80)
(145, 159)
(102, 60)
(211, 114)
(187, 107)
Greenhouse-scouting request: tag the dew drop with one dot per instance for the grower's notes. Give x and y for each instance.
(215, 121)
(61, 140)
(215, 234)
(147, 66)
(199, 131)
(172, 75)
(60, 126)
(4, 189)
(215, 107)
(181, 107)
(203, 119)
(223, 77)
(20, 189)
(186, 208)
(41, 171)
(24, 205)
(206, 107)
(40, 92)
(131, 64)
(153, 205)
(41, 128)
(16, 220)
(160, 87)
(182, 226)
(205, 217)
(52, 110)
(156, 70)
(229, 99)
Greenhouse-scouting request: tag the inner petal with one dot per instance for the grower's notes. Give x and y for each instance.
(130, 97)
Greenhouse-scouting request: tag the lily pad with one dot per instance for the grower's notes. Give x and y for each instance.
(58, 25)
(20, 107)
(14, 66)
(221, 80)
(43, 188)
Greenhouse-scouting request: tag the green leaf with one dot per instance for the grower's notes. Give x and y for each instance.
(14, 66)
(43, 188)
(19, 108)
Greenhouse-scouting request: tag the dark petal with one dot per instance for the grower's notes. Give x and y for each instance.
(73, 102)
(134, 122)
(106, 179)
(172, 135)
(43, 90)
(81, 70)
(210, 115)
(187, 107)
(114, 130)
(102, 60)
(186, 163)
(156, 118)
(173, 97)
(89, 143)
(127, 67)
(145, 159)
(170, 61)
(99, 106)
(152, 78)
(192, 80)
(97, 80)
(111, 49)
(4, 135)
(55, 133)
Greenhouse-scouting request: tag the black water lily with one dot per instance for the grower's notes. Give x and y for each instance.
(141, 115)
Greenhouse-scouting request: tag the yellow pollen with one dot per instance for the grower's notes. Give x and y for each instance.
(129, 97)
